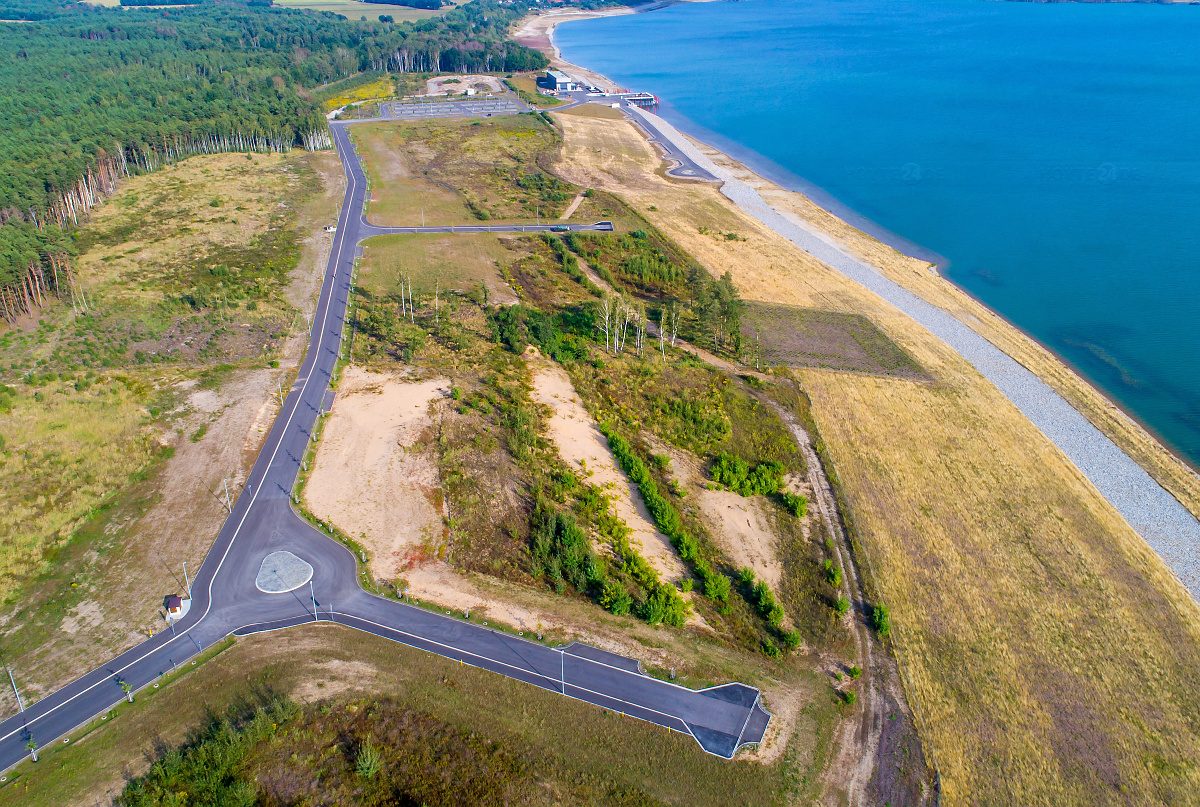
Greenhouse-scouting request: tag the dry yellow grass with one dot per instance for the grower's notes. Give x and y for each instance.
(915, 275)
(1051, 657)
(64, 454)
(456, 262)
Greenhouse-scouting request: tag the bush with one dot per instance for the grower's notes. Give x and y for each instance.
(841, 605)
(796, 504)
(368, 762)
(746, 576)
(792, 638)
(686, 585)
(833, 574)
(769, 648)
(716, 587)
(664, 605)
(849, 697)
(615, 598)
(737, 475)
(882, 620)
(855, 671)
(561, 549)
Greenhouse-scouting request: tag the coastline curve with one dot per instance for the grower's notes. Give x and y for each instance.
(1159, 518)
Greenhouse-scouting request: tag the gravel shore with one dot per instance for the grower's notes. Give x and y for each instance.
(1166, 525)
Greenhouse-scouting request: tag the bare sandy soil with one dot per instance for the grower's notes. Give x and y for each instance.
(737, 523)
(446, 85)
(537, 32)
(583, 447)
(375, 476)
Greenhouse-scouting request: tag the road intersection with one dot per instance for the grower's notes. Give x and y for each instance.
(226, 600)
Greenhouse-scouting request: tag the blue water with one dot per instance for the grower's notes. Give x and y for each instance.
(1047, 154)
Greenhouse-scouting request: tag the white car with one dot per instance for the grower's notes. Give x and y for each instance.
(331, 228)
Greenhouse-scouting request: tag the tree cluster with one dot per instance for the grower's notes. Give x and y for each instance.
(92, 94)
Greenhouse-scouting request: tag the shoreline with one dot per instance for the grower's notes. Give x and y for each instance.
(767, 169)
(1157, 495)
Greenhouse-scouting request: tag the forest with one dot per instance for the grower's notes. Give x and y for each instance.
(94, 94)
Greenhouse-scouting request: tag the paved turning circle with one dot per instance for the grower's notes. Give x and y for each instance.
(282, 572)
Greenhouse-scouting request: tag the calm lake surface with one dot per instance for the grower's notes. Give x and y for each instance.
(1048, 155)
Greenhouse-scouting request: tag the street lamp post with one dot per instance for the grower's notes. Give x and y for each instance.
(20, 706)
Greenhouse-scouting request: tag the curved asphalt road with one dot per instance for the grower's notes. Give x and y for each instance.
(226, 601)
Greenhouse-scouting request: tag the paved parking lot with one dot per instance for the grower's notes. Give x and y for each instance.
(449, 109)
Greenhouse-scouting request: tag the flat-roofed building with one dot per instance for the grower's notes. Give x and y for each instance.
(558, 81)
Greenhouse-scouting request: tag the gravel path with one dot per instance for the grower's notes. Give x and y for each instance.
(1165, 524)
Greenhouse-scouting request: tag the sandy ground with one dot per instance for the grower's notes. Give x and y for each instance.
(375, 476)
(571, 208)
(445, 85)
(583, 447)
(737, 523)
(537, 32)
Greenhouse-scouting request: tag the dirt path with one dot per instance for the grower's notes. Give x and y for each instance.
(575, 203)
(583, 447)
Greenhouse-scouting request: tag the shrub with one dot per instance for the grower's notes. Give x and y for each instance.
(796, 504)
(841, 605)
(882, 620)
(769, 648)
(368, 762)
(664, 605)
(833, 574)
(746, 576)
(615, 598)
(775, 615)
(686, 585)
(792, 638)
(737, 475)
(716, 587)
(849, 697)
(855, 671)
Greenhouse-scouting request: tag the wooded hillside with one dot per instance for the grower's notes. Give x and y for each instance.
(93, 94)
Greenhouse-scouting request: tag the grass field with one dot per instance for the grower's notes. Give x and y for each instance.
(526, 87)
(155, 393)
(833, 340)
(1049, 654)
(352, 9)
(459, 171)
(457, 262)
(68, 446)
(85, 402)
(579, 753)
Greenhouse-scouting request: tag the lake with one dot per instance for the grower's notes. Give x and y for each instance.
(1046, 155)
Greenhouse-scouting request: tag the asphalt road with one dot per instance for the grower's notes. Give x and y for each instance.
(226, 601)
